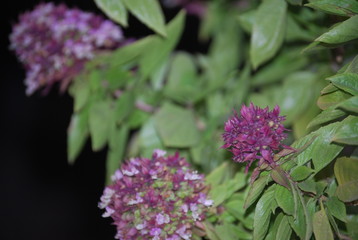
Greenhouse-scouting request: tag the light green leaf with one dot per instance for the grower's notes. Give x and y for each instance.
(263, 213)
(217, 175)
(337, 7)
(300, 173)
(247, 20)
(77, 134)
(80, 91)
(353, 66)
(117, 144)
(124, 106)
(272, 230)
(100, 115)
(321, 228)
(176, 126)
(159, 48)
(148, 12)
(337, 208)
(284, 199)
(149, 138)
(347, 132)
(299, 223)
(268, 31)
(345, 171)
(255, 190)
(344, 32)
(114, 9)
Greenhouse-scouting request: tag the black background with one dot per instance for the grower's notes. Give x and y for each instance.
(41, 196)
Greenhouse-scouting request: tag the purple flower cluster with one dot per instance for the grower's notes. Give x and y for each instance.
(159, 198)
(54, 42)
(256, 134)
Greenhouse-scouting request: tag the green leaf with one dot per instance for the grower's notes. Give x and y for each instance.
(255, 190)
(330, 114)
(114, 9)
(350, 105)
(300, 173)
(321, 228)
(247, 20)
(294, 2)
(284, 199)
(100, 115)
(183, 83)
(331, 99)
(346, 81)
(149, 138)
(235, 184)
(344, 32)
(117, 144)
(353, 66)
(159, 48)
(347, 132)
(217, 175)
(321, 150)
(272, 230)
(80, 91)
(218, 194)
(77, 134)
(337, 208)
(124, 106)
(329, 89)
(284, 229)
(281, 66)
(263, 213)
(227, 231)
(176, 126)
(149, 13)
(337, 7)
(299, 223)
(345, 171)
(268, 31)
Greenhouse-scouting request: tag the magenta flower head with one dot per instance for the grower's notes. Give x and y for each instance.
(256, 134)
(159, 198)
(54, 42)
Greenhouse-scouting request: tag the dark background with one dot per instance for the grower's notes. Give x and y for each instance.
(41, 196)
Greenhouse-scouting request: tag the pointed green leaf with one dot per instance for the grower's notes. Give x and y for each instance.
(268, 31)
(284, 229)
(337, 208)
(77, 134)
(284, 199)
(350, 105)
(346, 81)
(326, 116)
(337, 7)
(344, 32)
(300, 173)
(255, 190)
(263, 213)
(114, 9)
(124, 105)
(345, 171)
(217, 175)
(149, 12)
(331, 99)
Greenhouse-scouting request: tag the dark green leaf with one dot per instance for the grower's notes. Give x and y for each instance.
(321, 228)
(353, 66)
(331, 99)
(176, 126)
(267, 35)
(337, 208)
(337, 7)
(347, 131)
(263, 213)
(100, 115)
(124, 105)
(255, 190)
(77, 134)
(346, 81)
(272, 230)
(299, 223)
(344, 32)
(148, 12)
(114, 9)
(284, 199)
(300, 173)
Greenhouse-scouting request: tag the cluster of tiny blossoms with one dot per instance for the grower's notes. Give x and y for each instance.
(159, 198)
(256, 134)
(54, 42)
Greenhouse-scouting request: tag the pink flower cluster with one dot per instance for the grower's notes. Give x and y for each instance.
(54, 42)
(159, 198)
(256, 134)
